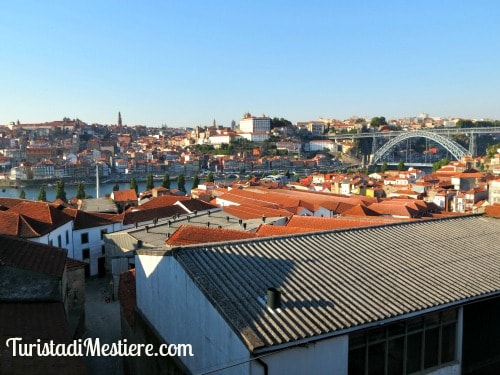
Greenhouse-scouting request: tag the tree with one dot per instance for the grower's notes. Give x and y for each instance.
(378, 121)
(166, 181)
(133, 185)
(196, 181)
(210, 177)
(60, 193)
(384, 167)
(22, 194)
(80, 191)
(42, 195)
(401, 165)
(116, 187)
(149, 182)
(181, 183)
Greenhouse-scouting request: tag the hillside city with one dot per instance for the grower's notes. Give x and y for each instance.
(289, 244)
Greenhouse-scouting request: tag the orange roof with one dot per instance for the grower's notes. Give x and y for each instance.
(249, 211)
(320, 223)
(493, 210)
(163, 201)
(190, 235)
(266, 230)
(124, 195)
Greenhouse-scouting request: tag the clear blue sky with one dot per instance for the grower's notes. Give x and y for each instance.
(185, 63)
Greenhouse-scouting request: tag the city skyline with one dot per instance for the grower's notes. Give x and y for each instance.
(187, 64)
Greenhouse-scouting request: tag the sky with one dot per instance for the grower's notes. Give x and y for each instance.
(188, 63)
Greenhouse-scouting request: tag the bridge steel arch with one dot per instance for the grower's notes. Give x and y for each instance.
(453, 147)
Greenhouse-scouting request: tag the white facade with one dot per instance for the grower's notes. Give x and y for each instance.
(168, 298)
(88, 244)
(255, 137)
(250, 124)
(494, 192)
(60, 237)
(320, 145)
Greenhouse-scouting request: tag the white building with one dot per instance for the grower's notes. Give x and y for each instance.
(252, 124)
(324, 303)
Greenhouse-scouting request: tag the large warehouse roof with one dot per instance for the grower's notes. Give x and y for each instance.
(346, 279)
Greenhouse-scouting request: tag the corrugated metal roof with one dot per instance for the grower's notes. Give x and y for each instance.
(332, 281)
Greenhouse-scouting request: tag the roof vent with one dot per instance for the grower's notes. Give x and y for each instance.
(273, 298)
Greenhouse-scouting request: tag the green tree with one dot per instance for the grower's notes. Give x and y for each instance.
(181, 183)
(439, 164)
(80, 191)
(60, 193)
(22, 194)
(133, 185)
(196, 181)
(384, 167)
(287, 173)
(401, 165)
(378, 121)
(149, 182)
(166, 181)
(210, 177)
(116, 187)
(42, 195)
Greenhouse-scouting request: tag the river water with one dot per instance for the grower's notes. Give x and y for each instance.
(50, 190)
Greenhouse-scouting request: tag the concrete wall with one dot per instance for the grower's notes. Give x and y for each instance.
(322, 357)
(181, 314)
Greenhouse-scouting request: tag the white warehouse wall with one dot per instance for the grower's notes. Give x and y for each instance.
(181, 314)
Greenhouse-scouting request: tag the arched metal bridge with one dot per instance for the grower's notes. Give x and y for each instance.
(453, 147)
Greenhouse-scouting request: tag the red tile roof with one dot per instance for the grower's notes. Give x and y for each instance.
(83, 219)
(249, 211)
(493, 210)
(266, 230)
(32, 256)
(124, 195)
(162, 201)
(42, 212)
(190, 235)
(14, 224)
(321, 223)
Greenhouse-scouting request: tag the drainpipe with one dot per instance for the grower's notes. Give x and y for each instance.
(264, 365)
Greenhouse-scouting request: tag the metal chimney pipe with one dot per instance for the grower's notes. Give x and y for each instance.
(273, 298)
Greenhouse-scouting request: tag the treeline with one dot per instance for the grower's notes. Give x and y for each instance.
(477, 124)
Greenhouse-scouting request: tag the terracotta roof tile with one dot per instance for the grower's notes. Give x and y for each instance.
(162, 201)
(124, 195)
(321, 223)
(83, 219)
(493, 210)
(32, 256)
(190, 235)
(266, 230)
(249, 211)
(14, 224)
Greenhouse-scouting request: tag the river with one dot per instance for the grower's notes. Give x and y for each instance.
(32, 191)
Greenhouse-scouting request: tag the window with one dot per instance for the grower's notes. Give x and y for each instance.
(67, 237)
(85, 238)
(103, 232)
(59, 241)
(103, 250)
(406, 347)
(86, 254)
